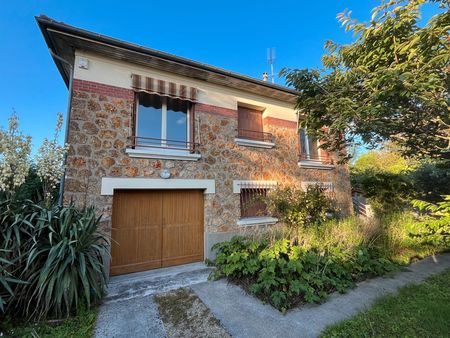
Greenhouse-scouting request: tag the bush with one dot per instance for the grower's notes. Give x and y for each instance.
(56, 252)
(298, 208)
(286, 275)
(387, 192)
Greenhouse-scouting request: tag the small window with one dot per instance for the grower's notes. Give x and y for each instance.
(162, 122)
(309, 146)
(252, 204)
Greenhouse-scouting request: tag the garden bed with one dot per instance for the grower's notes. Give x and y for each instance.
(287, 271)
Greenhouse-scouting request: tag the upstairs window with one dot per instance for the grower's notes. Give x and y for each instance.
(162, 121)
(309, 146)
(250, 124)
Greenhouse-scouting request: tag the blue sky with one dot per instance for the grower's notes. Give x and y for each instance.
(229, 34)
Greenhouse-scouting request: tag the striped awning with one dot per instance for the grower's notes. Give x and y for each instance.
(163, 88)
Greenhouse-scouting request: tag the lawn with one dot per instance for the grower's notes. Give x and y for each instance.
(421, 310)
(81, 326)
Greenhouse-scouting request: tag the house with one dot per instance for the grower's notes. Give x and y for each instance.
(170, 150)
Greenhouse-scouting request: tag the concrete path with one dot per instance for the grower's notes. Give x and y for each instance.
(129, 310)
(244, 316)
(147, 283)
(137, 318)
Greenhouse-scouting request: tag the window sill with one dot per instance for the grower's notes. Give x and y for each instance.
(254, 143)
(309, 164)
(257, 221)
(165, 154)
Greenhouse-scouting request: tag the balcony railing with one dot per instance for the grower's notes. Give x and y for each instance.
(150, 142)
(255, 135)
(316, 158)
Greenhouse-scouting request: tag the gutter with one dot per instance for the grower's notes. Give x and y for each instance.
(66, 136)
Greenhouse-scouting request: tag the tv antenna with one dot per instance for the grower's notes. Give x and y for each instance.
(271, 61)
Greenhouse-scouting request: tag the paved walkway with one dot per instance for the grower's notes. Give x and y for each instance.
(244, 316)
(129, 310)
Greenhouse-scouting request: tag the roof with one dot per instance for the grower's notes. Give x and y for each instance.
(64, 39)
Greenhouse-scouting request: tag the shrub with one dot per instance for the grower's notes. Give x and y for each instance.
(298, 208)
(58, 255)
(387, 192)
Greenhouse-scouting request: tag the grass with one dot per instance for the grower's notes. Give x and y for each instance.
(81, 326)
(420, 310)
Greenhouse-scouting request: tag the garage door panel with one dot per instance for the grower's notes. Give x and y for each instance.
(137, 231)
(182, 227)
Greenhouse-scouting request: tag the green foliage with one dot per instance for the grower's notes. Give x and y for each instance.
(286, 275)
(431, 181)
(384, 160)
(436, 229)
(56, 252)
(287, 271)
(419, 310)
(392, 83)
(81, 326)
(386, 191)
(298, 208)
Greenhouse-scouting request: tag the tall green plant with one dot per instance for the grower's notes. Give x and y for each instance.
(65, 264)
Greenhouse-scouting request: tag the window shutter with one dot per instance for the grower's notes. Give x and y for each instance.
(250, 123)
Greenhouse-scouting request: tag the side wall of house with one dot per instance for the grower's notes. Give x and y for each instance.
(101, 123)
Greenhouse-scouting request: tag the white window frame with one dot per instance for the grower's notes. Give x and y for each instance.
(164, 122)
(308, 154)
(162, 151)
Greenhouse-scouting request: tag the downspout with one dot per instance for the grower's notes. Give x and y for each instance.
(66, 136)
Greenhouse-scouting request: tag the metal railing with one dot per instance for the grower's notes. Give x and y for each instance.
(255, 135)
(150, 142)
(323, 159)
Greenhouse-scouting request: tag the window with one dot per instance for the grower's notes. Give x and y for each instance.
(252, 204)
(162, 122)
(250, 124)
(309, 147)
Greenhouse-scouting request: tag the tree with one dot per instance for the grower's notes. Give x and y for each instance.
(387, 160)
(391, 84)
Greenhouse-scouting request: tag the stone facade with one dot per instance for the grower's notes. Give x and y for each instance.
(99, 131)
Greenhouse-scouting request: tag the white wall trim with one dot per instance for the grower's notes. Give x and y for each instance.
(167, 154)
(111, 183)
(254, 143)
(237, 184)
(265, 220)
(308, 164)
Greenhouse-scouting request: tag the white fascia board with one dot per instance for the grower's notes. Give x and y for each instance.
(254, 143)
(165, 154)
(111, 183)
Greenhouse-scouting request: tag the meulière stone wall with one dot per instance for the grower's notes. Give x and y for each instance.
(101, 122)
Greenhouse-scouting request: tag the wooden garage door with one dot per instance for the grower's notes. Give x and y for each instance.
(156, 228)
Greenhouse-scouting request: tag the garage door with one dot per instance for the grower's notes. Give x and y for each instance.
(156, 228)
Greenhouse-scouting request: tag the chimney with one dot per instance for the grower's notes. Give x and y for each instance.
(265, 76)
